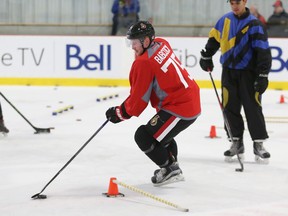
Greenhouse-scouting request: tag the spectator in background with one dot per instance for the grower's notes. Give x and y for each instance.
(278, 21)
(3, 129)
(255, 12)
(125, 13)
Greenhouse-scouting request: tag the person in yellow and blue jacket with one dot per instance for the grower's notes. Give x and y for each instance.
(246, 62)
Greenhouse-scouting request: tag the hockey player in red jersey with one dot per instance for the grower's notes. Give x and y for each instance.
(158, 76)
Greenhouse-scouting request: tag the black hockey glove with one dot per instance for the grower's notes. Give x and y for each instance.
(261, 83)
(117, 114)
(114, 114)
(206, 62)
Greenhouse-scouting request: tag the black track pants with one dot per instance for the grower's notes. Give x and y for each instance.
(237, 92)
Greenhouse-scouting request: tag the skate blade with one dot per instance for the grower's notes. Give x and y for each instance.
(234, 158)
(260, 160)
(171, 180)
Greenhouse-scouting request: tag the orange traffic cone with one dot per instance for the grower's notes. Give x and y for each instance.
(282, 99)
(113, 189)
(212, 132)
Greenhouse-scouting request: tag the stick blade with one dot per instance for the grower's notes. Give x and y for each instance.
(39, 196)
(42, 130)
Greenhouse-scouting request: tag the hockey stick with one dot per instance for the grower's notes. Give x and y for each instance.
(226, 123)
(144, 193)
(42, 196)
(37, 130)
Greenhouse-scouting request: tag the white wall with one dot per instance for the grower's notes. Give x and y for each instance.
(70, 57)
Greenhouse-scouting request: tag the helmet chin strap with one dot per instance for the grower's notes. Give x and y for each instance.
(142, 43)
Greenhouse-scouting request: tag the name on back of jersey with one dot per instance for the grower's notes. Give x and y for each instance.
(162, 54)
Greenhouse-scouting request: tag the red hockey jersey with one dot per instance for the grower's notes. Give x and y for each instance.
(158, 76)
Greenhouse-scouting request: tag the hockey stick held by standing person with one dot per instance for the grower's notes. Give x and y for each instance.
(226, 123)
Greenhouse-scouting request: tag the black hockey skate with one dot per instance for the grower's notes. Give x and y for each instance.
(237, 147)
(167, 175)
(261, 155)
(3, 129)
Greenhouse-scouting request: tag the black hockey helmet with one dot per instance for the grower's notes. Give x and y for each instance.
(140, 30)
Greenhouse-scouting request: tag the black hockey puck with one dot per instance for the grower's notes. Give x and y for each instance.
(42, 196)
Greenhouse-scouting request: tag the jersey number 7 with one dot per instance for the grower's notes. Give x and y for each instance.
(178, 67)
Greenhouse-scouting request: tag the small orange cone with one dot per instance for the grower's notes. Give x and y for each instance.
(282, 99)
(113, 189)
(212, 132)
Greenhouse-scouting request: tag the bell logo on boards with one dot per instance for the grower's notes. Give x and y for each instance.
(75, 59)
(279, 64)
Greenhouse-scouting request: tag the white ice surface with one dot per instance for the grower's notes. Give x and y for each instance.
(28, 161)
